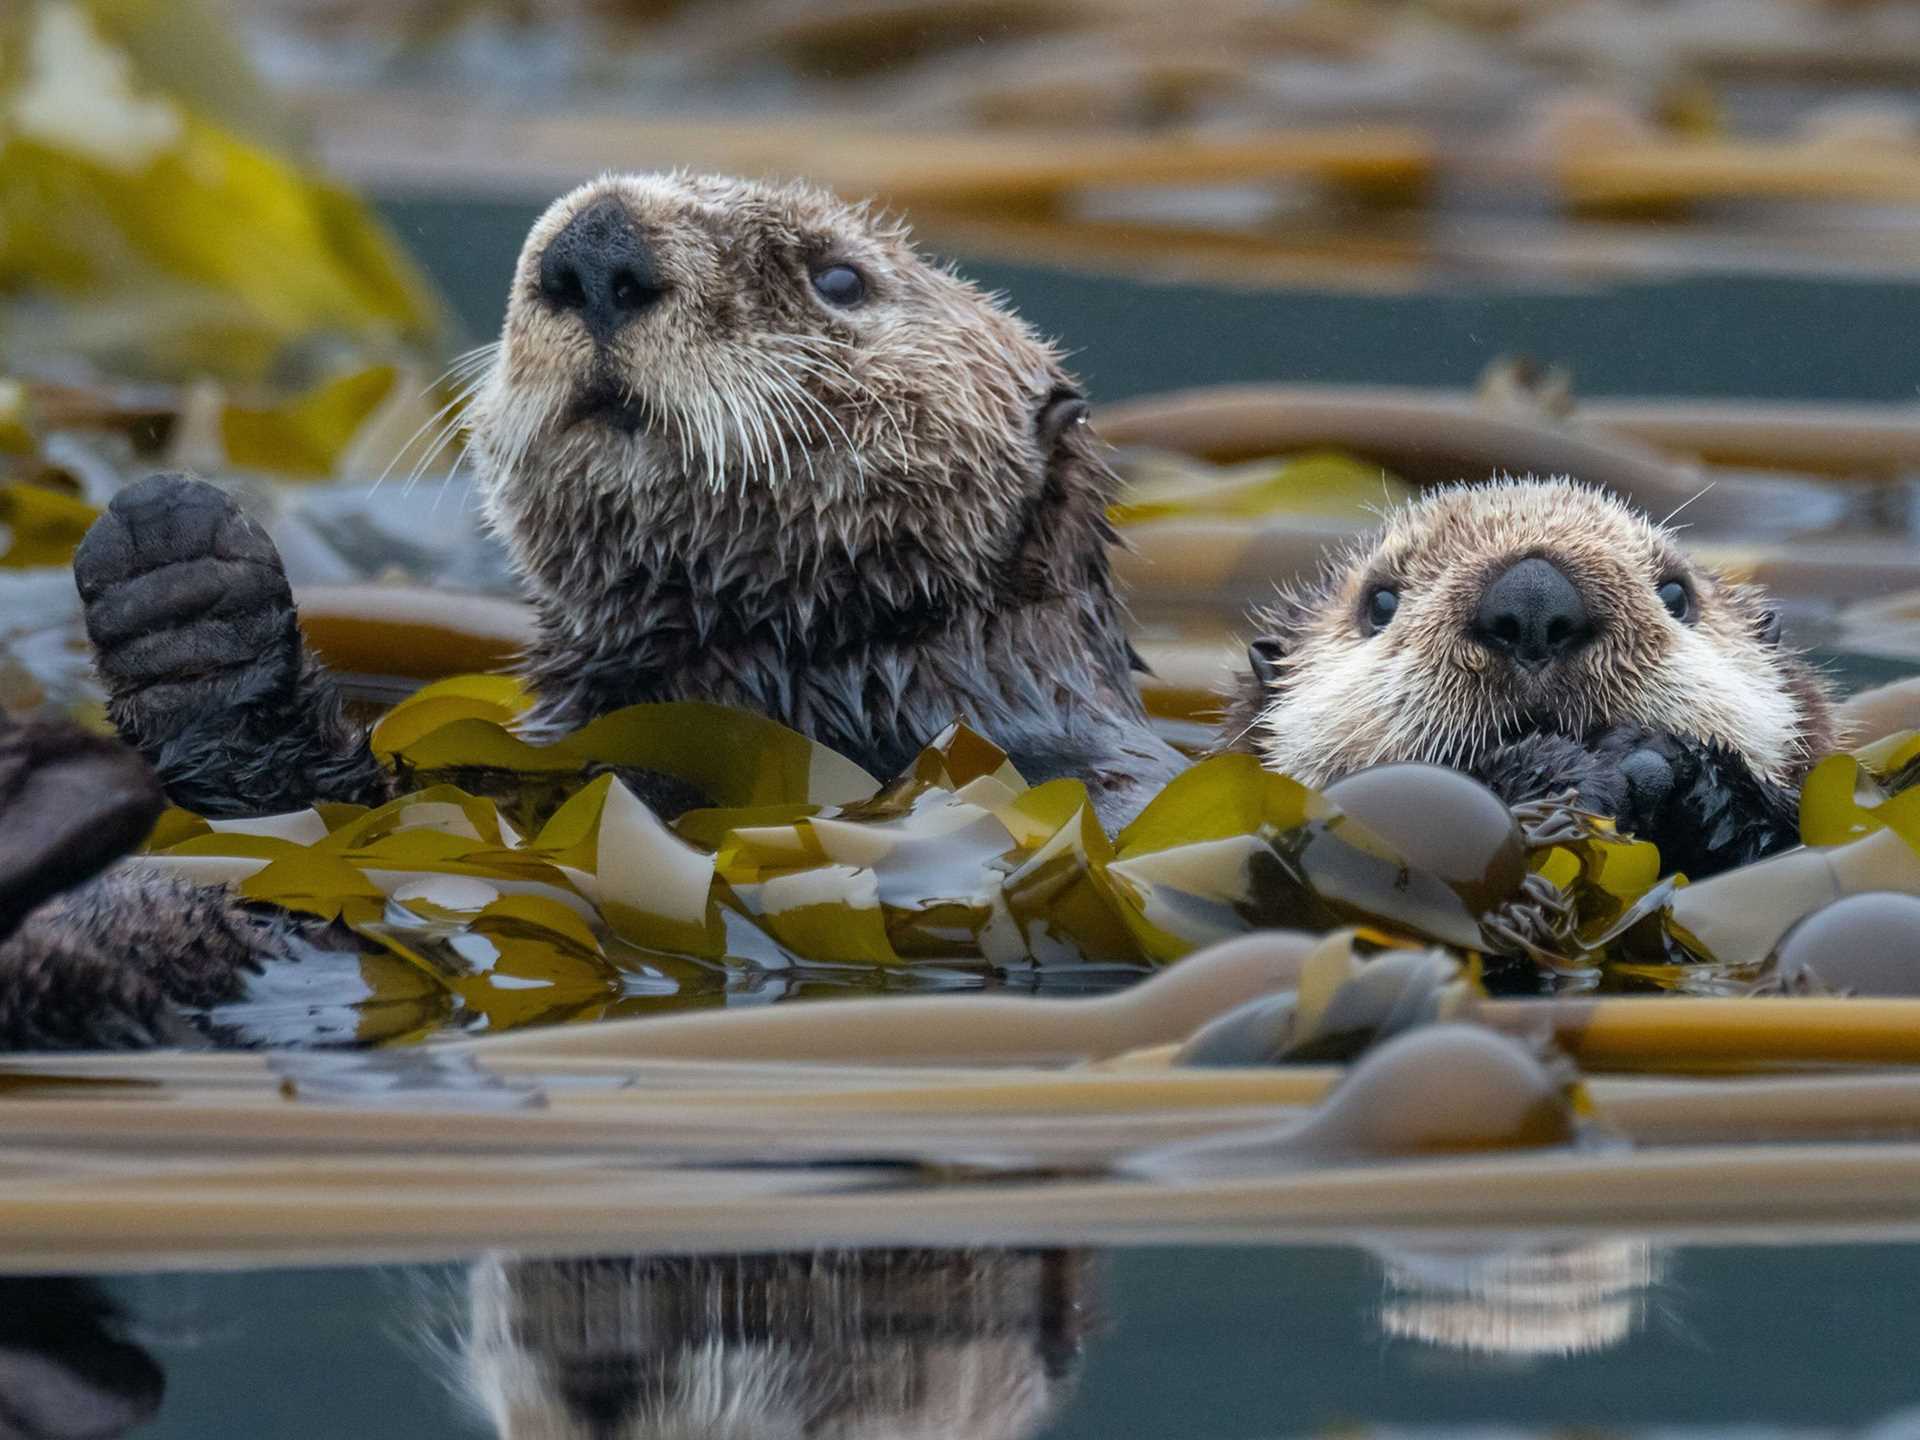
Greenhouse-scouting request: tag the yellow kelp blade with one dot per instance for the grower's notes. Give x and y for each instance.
(1327, 483)
(40, 526)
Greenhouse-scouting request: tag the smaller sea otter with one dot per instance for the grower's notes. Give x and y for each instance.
(1546, 638)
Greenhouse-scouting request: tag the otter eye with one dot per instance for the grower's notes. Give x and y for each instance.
(1381, 606)
(840, 285)
(1674, 596)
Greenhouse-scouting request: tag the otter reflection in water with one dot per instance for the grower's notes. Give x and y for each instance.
(66, 1372)
(829, 1345)
(1550, 1300)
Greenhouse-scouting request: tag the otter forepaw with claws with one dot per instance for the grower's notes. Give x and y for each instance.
(1700, 803)
(1703, 806)
(1635, 776)
(1628, 773)
(198, 643)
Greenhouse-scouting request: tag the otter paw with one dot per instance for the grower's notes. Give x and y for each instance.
(1639, 775)
(187, 605)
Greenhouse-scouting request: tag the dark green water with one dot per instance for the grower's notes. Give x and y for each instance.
(1731, 336)
(1202, 1344)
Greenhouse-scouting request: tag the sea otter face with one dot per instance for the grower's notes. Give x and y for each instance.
(672, 333)
(1485, 612)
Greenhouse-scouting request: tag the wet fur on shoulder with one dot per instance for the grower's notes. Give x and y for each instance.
(1733, 715)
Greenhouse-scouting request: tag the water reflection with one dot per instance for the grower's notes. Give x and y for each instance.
(1556, 1300)
(66, 1370)
(831, 1345)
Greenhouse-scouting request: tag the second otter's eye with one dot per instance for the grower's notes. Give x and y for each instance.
(1381, 606)
(840, 285)
(1679, 603)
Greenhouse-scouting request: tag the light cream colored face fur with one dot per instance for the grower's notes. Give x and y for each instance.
(922, 397)
(1423, 688)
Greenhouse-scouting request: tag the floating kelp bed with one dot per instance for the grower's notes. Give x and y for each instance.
(1270, 1084)
(131, 1161)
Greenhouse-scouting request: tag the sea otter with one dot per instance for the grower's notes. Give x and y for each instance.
(1547, 638)
(744, 445)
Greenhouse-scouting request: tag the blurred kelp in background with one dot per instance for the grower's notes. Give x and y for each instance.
(1368, 144)
(179, 288)
(154, 222)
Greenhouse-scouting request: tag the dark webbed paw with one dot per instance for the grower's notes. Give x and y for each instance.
(199, 646)
(187, 606)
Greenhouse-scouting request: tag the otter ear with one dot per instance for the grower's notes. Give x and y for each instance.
(1767, 627)
(1265, 656)
(1064, 409)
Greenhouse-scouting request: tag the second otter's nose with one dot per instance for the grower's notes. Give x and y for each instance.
(1534, 613)
(601, 267)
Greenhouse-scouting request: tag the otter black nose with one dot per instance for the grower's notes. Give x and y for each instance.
(1534, 613)
(601, 267)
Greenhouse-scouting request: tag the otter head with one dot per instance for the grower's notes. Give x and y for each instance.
(767, 392)
(1482, 613)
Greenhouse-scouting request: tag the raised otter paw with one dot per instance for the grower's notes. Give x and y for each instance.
(200, 648)
(1701, 804)
(188, 609)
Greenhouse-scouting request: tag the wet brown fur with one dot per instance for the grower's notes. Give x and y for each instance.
(865, 523)
(857, 521)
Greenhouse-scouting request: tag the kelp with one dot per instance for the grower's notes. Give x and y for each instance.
(1867, 944)
(1350, 998)
(1328, 483)
(528, 879)
(1436, 1089)
(40, 525)
(1846, 797)
(199, 246)
(1860, 824)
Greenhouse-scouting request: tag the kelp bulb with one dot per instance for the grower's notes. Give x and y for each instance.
(1866, 944)
(1443, 822)
(1447, 1088)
